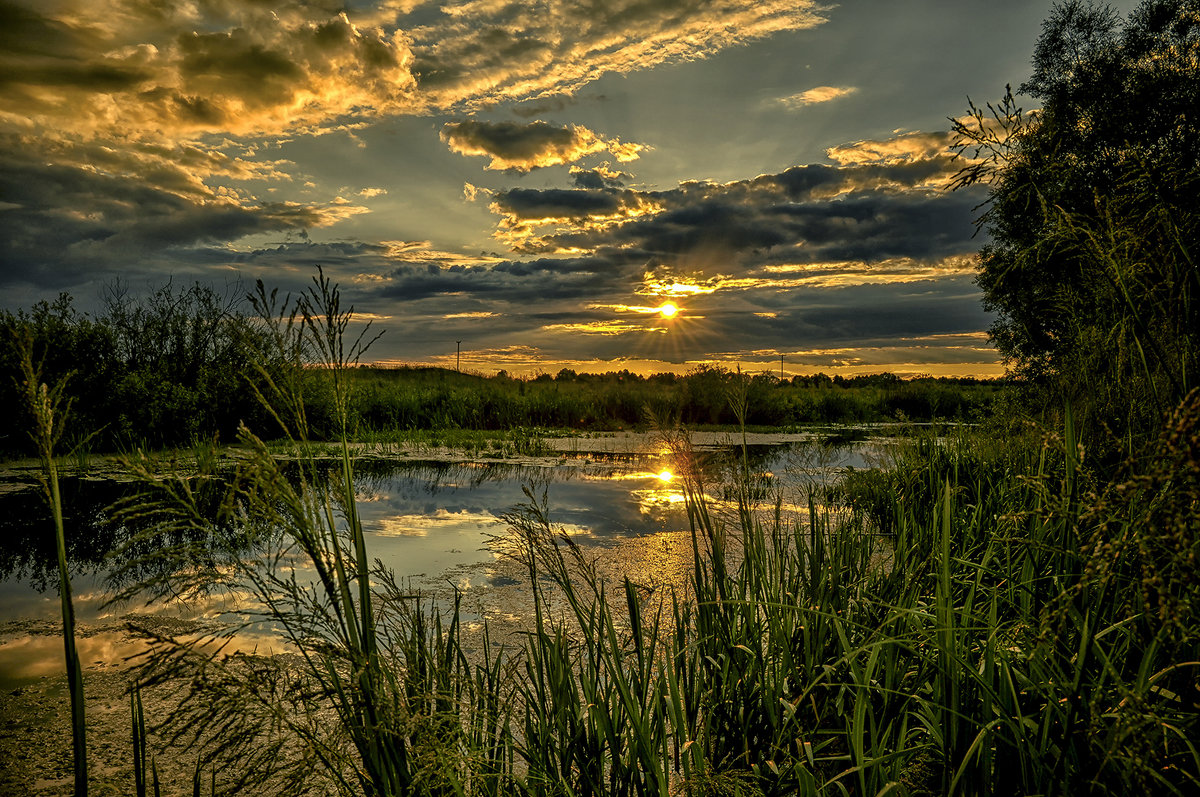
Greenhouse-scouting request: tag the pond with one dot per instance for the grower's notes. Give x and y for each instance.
(433, 522)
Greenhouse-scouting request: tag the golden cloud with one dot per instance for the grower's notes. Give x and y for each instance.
(816, 95)
(179, 97)
(537, 226)
(616, 326)
(142, 68)
(656, 283)
(472, 192)
(142, 71)
(846, 273)
(903, 147)
(486, 51)
(523, 147)
(903, 358)
(424, 253)
(627, 308)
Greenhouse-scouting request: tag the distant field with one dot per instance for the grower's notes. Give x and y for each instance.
(424, 398)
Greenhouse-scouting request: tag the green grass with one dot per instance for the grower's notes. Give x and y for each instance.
(984, 617)
(1007, 635)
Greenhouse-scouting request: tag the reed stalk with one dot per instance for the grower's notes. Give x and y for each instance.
(50, 409)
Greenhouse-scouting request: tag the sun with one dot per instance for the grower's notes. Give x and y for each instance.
(667, 310)
(665, 476)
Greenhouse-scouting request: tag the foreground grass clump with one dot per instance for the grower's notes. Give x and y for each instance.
(1028, 632)
(1022, 626)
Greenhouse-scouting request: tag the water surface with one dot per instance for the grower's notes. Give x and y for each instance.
(433, 523)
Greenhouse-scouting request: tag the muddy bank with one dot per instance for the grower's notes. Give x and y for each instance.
(35, 746)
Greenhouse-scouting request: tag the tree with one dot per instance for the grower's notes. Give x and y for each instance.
(64, 344)
(160, 370)
(1094, 211)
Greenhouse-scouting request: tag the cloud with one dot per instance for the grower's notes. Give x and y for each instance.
(539, 106)
(602, 176)
(586, 307)
(522, 147)
(606, 328)
(901, 148)
(143, 70)
(487, 51)
(816, 95)
(417, 274)
(474, 314)
(76, 222)
(177, 105)
(472, 192)
(874, 207)
(146, 69)
(522, 207)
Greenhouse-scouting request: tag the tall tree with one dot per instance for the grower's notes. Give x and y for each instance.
(1094, 211)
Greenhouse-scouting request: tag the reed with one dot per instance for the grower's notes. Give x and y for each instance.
(995, 619)
(369, 693)
(981, 655)
(980, 647)
(49, 408)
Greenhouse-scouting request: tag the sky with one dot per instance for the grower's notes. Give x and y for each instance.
(521, 185)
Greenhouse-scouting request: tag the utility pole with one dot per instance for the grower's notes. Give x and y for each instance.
(781, 368)
(457, 354)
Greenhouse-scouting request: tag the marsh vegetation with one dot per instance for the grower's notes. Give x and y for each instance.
(1006, 608)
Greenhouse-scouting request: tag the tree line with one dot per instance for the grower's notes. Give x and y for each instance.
(183, 365)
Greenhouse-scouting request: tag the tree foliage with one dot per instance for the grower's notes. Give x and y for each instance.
(163, 370)
(1094, 211)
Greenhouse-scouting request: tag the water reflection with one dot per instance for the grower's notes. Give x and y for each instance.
(27, 549)
(430, 522)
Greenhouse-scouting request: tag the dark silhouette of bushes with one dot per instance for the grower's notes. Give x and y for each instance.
(164, 371)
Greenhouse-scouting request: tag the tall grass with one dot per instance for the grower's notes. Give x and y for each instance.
(368, 694)
(998, 620)
(49, 409)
